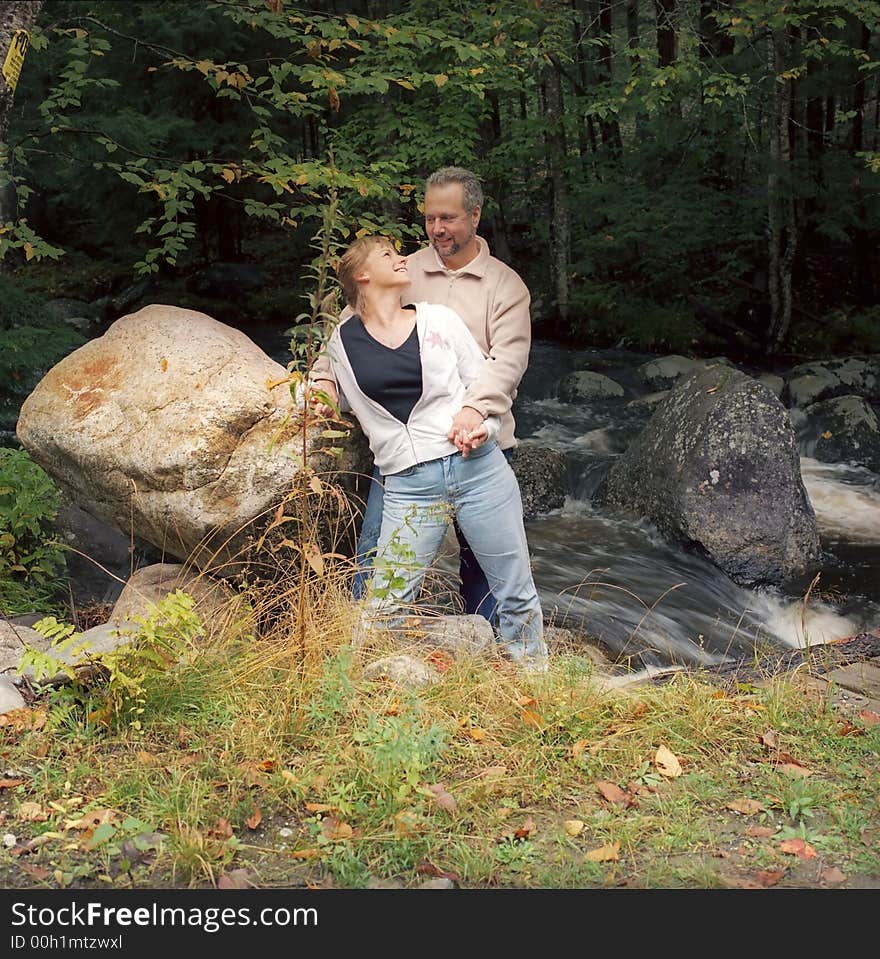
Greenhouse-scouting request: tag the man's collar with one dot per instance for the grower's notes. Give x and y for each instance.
(476, 267)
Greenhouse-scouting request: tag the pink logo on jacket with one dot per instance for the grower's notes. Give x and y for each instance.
(435, 339)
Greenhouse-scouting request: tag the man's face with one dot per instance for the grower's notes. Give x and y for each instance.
(449, 227)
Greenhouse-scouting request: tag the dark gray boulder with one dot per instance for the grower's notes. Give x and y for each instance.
(542, 475)
(844, 430)
(717, 467)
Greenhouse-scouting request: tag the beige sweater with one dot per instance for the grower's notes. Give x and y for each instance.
(494, 303)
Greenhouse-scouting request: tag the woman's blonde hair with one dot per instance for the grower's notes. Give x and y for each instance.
(351, 263)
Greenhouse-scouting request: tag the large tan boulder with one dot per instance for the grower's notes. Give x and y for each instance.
(169, 428)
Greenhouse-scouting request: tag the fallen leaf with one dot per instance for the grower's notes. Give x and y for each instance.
(869, 717)
(769, 877)
(747, 807)
(846, 728)
(306, 854)
(237, 879)
(493, 772)
(393, 709)
(22, 849)
(760, 832)
(667, 763)
(254, 820)
(36, 872)
(525, 830)
(795, 769)
(526, 701)
(426, 868)
(408, 823)
(477, 733)
(11, 783)
(94, 818)
(769, 739)
(319, 807)
(289, 776)
(24, 718)
(573, 827)
(531, 718)
(440, 659)
(607, 853)
(32, 812)
(578, 748)
(147, 759)
(223, 829)
(614, 794)
(798, 847)
(335, 830)
(832, 875)
(444, 799)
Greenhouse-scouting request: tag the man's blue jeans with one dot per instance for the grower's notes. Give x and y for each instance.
(475, 592)
(483, 494)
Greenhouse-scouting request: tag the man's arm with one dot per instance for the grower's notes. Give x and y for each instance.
(510, 338)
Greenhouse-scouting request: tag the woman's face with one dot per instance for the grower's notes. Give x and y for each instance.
(385, 267)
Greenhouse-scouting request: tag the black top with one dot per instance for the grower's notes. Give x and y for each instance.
(393, 378)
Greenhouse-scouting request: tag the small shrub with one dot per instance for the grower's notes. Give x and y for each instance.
(126, 671)
(30, 559)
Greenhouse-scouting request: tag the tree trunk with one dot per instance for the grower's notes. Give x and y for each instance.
(782, 238)
(560, 227)
(18, 15)
(665, 32)
(609, 129)
(715, 42)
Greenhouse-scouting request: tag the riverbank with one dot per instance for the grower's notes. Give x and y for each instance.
(267, 765)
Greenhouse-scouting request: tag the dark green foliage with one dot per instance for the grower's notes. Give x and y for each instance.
(160, 136)
(31, 340)
(30, 559)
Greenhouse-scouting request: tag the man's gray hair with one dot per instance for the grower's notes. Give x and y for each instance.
(473, 192)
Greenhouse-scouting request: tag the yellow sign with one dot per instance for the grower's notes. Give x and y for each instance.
(15, 57)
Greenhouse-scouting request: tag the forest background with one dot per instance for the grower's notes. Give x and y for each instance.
(699, 177)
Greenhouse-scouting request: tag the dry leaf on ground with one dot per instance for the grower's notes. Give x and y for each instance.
(444, 799)
(573, 827)
(607, 853)
(760, 832)
(33, 812)
(798, 847)
(613, 793)
(11, 783)
(667, 763)
(254, 820)
(832, 875)
(237, 879)
(769, 877)
(795, 769)
(769, 739)
(747, 807)
(305, 854)
(869, 717)
(335, 830)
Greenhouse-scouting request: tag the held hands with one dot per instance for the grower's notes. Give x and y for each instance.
(468, 431)
(317, 403)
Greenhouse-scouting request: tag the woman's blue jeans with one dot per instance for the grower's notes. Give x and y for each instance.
(476, 595)
(481, 491)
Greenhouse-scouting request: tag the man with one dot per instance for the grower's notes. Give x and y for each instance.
(458, 270)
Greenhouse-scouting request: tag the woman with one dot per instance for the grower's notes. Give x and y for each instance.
(403, 371)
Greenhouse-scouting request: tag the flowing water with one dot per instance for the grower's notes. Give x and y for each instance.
(619, 580)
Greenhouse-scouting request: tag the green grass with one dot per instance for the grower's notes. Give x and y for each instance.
(244, 737)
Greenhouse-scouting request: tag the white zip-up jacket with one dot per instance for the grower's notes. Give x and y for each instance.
(450, 360)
